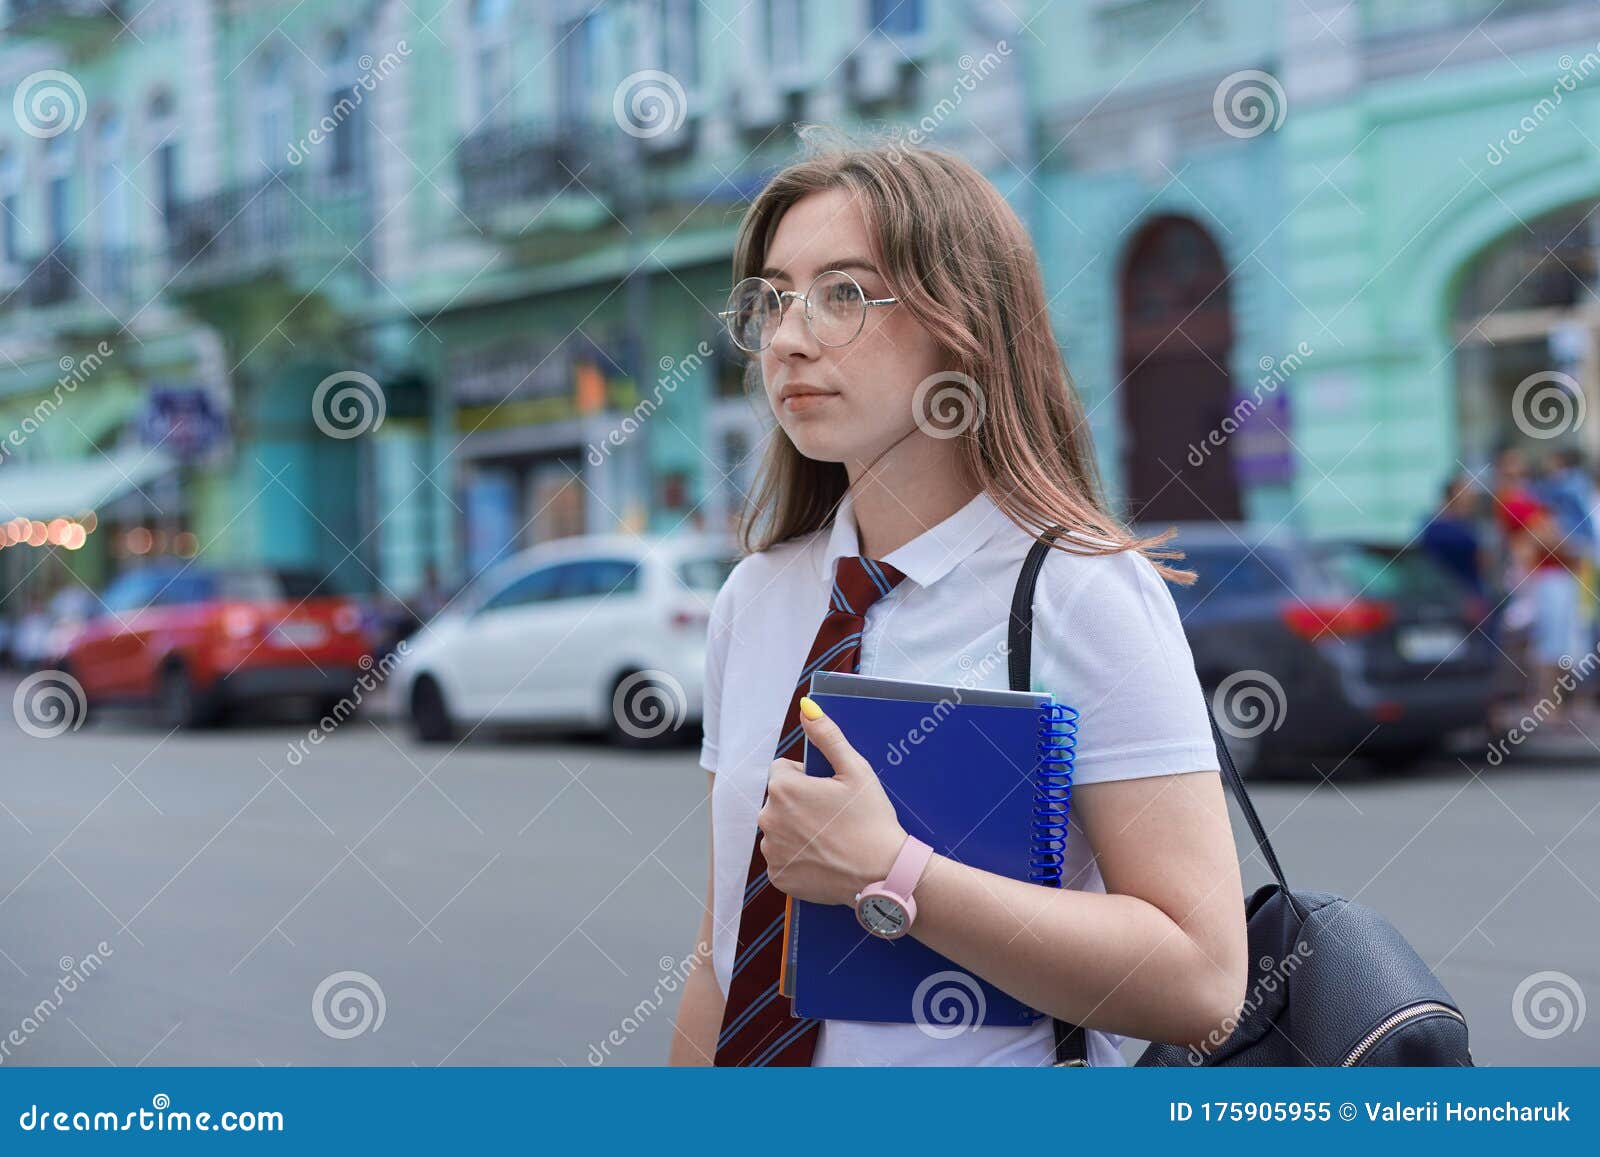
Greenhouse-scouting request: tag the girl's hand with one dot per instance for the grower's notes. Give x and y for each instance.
(824, 839)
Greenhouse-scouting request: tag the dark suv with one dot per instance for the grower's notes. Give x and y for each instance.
(1321, 650)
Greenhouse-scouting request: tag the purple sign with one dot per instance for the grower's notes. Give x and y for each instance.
(1262, 452)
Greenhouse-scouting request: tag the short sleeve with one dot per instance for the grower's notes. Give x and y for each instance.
(1108, 641)
(718, 632)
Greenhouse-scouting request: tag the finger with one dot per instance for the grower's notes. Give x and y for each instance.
(825, 736)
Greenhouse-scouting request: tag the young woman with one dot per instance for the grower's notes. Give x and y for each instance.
(897, 325)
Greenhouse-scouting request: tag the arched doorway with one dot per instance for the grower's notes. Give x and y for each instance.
(1177, 327)
(1527, 361)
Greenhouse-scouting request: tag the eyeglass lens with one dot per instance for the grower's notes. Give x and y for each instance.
(835, 310)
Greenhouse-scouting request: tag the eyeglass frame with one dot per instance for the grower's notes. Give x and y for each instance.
(783, 308)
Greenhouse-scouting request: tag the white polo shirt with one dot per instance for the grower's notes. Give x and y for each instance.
(1107, 641)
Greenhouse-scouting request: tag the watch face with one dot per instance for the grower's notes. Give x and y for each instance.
(882, 916)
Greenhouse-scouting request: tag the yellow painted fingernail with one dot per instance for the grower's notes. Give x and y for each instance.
(809, 708)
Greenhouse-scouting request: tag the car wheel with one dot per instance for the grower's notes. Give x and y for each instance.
(179, 704)
(639, 713)
(67, 693)
(430, 716)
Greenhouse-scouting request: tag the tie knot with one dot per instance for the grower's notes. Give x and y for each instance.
(859, 582)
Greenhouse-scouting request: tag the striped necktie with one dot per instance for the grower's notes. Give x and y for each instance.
(758, 1027)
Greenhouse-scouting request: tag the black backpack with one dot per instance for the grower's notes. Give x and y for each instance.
(1331, 981)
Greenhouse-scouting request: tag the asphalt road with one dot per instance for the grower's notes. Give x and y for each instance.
(530, 901)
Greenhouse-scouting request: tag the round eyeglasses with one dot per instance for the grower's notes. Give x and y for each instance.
(835, 310)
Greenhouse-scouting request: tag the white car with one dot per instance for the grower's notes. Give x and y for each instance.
(601, 632)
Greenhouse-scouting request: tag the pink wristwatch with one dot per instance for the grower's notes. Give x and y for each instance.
(886, 908)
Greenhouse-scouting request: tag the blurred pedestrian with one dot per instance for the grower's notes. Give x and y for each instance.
(431, 596)
(1452, 536)
(1541, 576)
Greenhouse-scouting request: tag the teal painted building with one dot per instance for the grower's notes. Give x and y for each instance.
(399, 285)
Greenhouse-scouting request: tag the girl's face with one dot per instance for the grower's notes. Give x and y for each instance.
(866, 387)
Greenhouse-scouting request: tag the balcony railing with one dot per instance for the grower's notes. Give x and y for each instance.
(503, 167)
(107, 273)
(50, 279)
(66, 18)
(280, 226)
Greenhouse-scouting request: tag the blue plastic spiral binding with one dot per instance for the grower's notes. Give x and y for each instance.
(1057, 748)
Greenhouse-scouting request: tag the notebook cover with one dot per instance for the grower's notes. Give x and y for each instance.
(962, 777)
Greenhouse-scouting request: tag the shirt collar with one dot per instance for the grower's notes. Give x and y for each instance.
(932, 554)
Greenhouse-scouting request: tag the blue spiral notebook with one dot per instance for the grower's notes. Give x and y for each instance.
(984, 777)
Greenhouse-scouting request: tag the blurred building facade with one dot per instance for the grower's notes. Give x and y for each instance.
(392, 284)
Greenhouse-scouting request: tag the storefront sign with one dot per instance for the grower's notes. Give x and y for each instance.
(185, 421)
(1262, 452)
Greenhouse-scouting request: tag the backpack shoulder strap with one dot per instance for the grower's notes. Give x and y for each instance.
(1070, 1041)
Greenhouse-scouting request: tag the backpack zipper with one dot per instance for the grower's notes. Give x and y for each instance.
(1395, 1020)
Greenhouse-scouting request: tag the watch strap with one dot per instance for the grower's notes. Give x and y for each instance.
(908, 867)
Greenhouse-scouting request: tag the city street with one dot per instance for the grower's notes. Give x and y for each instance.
(527, 901)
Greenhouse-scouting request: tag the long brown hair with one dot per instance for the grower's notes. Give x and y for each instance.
(959, 258)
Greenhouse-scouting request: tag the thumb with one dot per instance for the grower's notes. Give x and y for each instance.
(826, 737)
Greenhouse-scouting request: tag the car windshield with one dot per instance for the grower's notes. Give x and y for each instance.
(1229, 571)
(255, 585)
(1385, 572)
(707, 572)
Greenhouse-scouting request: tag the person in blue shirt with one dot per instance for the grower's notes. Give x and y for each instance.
(1451, 536)
(1568, 492)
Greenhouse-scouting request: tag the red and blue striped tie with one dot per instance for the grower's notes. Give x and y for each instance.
(758, 1027)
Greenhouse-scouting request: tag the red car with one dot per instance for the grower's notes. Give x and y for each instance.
(195, 641)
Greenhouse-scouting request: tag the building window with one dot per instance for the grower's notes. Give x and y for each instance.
(491, 58)
(575, 71)
(896, 17)
(163, 133)
(678, 39)
(273, 108)
(784, 35)
(728, 376)
(58, 188)
(347, 141)
(10, 208)
(112, 205)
